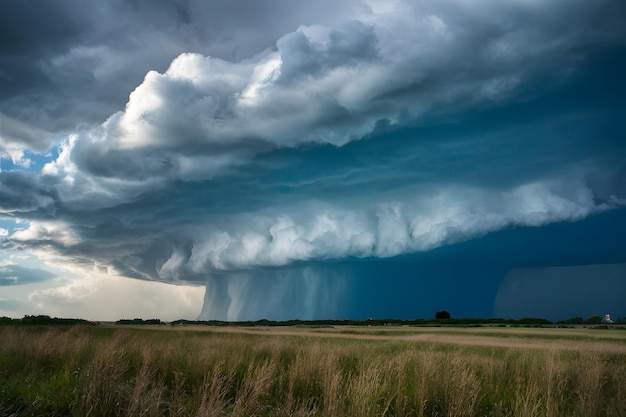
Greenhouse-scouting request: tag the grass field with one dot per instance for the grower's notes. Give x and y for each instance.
(210, 371)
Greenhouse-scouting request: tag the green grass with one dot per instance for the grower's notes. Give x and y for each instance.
(108, 371)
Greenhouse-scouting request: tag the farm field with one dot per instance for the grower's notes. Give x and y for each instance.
(164, 370)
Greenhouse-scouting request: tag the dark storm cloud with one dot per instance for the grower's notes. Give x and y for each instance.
(204, 114)
(51, 29)
(373, 137)
(56, 57)
(23, 192)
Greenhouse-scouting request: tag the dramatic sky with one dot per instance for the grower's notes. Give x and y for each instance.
(312, 159)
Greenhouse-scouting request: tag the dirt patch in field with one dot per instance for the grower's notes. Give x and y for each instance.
(519, 343)
(423, 336)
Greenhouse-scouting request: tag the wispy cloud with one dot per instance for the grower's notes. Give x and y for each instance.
(11, 274)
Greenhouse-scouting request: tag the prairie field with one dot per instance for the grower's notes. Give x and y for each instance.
(336, 371)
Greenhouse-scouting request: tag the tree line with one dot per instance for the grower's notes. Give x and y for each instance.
(442, 318)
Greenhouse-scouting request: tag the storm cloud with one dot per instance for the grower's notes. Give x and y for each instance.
(56, 57)
(257, 164)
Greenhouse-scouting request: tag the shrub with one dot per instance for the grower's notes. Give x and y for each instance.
(573, 320)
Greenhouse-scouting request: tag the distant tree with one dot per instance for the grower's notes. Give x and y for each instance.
(43, 320)
(442, 314)
(138, 321)
(594, 320)
(38, 320)
(533, 321)
(573, 320)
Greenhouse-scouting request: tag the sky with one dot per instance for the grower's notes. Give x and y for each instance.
(311, 160)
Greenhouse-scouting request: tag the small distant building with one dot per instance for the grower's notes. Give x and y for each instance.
(607, 319)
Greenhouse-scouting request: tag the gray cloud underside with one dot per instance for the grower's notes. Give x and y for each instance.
(336, 140)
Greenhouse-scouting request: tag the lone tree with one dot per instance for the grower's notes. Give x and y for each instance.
(594, 320)
(442, 314)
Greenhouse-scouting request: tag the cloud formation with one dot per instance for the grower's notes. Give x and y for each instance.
(89, 51)
(323, 85)
(333, 138)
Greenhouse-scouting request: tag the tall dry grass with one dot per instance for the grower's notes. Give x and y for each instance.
(103, 372)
